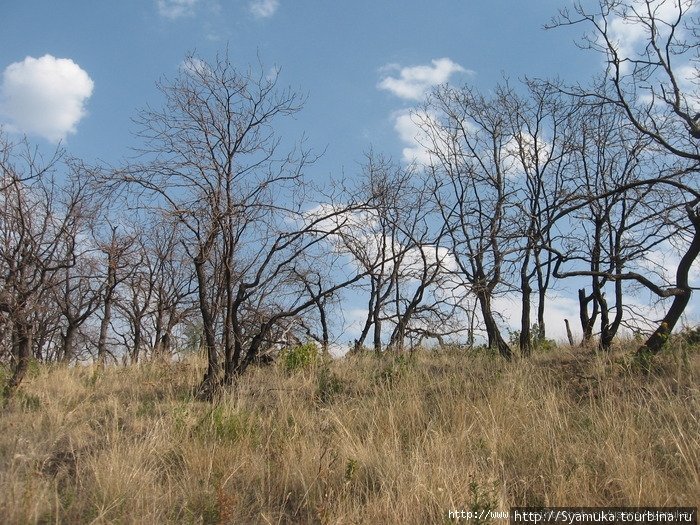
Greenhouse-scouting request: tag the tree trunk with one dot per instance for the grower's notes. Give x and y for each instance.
(68, 343)
(22, 348)
(108, 300)
(494, 335)
(569, 336)
(208, 385)
(542, 285)
(137, 341)
(525, 337)
(325, 337)
(656, 341)
(587, 322)
(377, 339)
(104, 325)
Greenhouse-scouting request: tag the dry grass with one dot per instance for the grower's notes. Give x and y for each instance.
(363, 440)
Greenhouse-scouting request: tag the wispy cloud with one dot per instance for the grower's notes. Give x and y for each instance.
(263, 8)
(173, 9)
(44, 96)
(412, 83)
(630, 33)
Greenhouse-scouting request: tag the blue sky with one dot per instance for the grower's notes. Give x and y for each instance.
(335, 52)
(362, 64)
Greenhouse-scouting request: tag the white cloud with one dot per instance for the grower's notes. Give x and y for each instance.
(523, 153)
(409, 126)
(414, 82)
(44, 96)
(263, 8)
(176, 8)
(195, 67)
(630, 35)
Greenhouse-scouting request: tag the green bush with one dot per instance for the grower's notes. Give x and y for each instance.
(392, 371)
(299, 357)
(227, 426)
(483, 503)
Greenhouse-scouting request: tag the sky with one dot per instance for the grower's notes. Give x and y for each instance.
(362, 64)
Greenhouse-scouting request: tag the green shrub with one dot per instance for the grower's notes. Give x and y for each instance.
(388, 374)
(228, 426)
(299, 357)
(483, 503)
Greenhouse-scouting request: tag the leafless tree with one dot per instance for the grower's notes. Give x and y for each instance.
(543, 136)
(117, 248)
(212, 162)
(472, 190)
(38, 221)
(395, 242)
(651, 51)
(616, 229)
(173, 282)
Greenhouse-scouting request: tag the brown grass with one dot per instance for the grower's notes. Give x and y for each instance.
(362, 440)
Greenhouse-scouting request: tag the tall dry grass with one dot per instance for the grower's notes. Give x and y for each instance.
(361, 440)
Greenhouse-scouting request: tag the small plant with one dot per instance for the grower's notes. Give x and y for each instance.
(299, 357)
(350, 469)
(538, 342)
(642, 362)
(392, 371)
(329, 385)
(229, 427)
(483, 503)
(29, 402)
(33, 369)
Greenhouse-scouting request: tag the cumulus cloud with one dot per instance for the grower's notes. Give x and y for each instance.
(421, 132)
(173, 9)
(412, 83)
(263, 8)
(44, 96)
(408, 127)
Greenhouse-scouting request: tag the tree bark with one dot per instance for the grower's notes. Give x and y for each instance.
(587, 322)
(656, 341)
(209, 381)
(68, 343)
(569, 336)
(526, 291)
(22, 348)
(493, 333)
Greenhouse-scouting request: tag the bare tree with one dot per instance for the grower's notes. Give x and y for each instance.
(651, 49)
(38, 221)
(541, 125)
(213, 163)
(173, 282)
(468, 144)
(395, 241)
(617, 228)
(78, 295)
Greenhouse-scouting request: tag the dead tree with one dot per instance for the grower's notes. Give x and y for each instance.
(650, 47)
(37, 220)
(472, 193)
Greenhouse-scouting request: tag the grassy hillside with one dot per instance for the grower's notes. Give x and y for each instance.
(360, 440)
